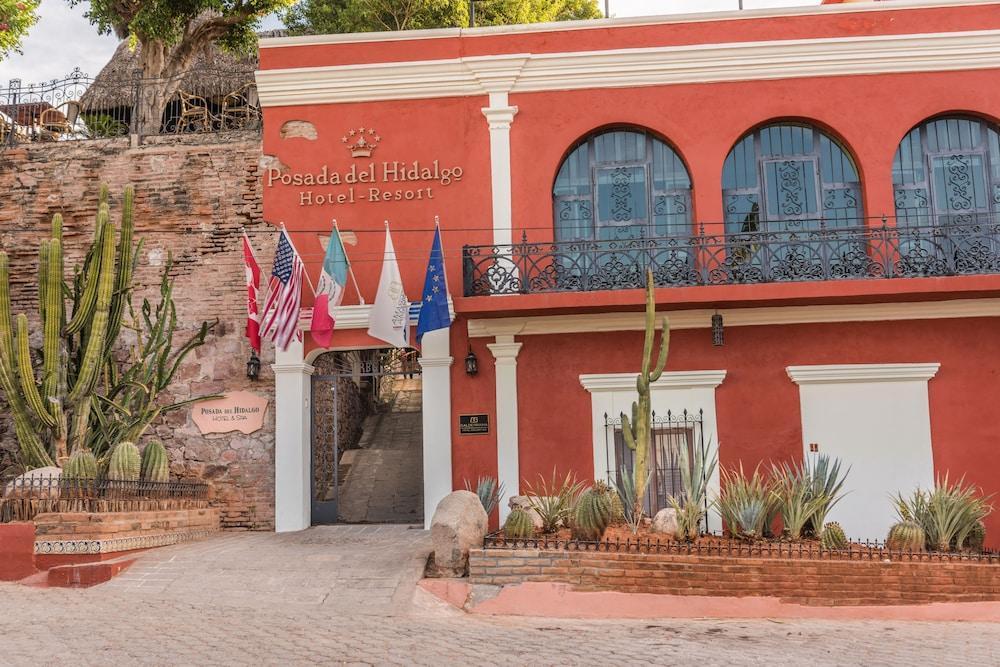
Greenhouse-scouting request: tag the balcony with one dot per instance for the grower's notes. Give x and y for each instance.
(959, 246)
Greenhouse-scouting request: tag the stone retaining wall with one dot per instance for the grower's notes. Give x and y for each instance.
(813, 582)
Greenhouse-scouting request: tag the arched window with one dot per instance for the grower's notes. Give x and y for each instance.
(787, 177)
(947, 171)
(621, 185)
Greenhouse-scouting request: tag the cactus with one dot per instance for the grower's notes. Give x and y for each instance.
(977, 537)
(125, 463)
(906, 536)
(832, 536)
(614, 500)
(155, 463)
(637, 431)
(79, 384)
(591, 516)
(519, 525)
(82, 464)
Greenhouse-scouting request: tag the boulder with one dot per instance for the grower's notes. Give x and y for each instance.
(459, 524)
(665, 523)
(35, 484)
(525, 504)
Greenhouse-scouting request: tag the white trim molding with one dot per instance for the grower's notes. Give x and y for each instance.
(500, 115)
(604, 24)
(356, 316)
(803, 375)
(435, 361)
(505, 352)
(736, 317)
(669, 380)
(624, 68)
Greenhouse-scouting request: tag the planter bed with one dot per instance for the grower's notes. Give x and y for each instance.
(801, 572)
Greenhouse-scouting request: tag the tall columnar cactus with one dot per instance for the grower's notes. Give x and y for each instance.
(591, 516)
(638, 430)
(125, 463)
(79, 397)
(155, 463)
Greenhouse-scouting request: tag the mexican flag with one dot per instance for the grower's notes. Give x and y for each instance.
(329, 290)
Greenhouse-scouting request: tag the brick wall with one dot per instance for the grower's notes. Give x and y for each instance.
(116, 525)
(815, 582)
(193, 194)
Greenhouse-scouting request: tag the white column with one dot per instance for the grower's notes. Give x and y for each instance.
(500, 115)
(508, 468)
(292, 440)
(436, 360)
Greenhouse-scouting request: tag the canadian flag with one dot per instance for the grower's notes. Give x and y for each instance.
(252, 270)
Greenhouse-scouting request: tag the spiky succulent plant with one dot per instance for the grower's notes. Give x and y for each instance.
(591, 516)
(832, 536)
(155, 465)
(906, 536)
(519, 525)
(124, 465)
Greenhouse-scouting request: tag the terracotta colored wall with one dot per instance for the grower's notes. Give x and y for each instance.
(758, 405)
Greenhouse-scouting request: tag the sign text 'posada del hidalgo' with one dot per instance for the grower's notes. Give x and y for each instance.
(371, 181)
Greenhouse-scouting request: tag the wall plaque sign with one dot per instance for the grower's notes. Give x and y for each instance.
(239, 411)
(473, 424)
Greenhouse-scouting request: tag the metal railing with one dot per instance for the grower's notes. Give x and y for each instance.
(79, 107)
(24, 497)
(955, 245)
(861, 550)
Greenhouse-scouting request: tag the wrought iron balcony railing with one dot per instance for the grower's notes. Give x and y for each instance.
(966, 246)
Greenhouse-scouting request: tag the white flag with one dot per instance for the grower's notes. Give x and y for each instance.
(390, 314)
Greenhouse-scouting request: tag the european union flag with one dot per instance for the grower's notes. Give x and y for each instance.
(434, 313)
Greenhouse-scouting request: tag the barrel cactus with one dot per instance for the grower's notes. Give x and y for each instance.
(832, 536)
(125, 463)
(977, 536)
(82, 464)
(906, 536)
(519, 525)
(614, 500)
(155, 463)
(591, 516)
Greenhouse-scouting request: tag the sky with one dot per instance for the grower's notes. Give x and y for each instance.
(63, 39)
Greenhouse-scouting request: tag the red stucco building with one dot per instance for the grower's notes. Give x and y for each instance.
(824, 179)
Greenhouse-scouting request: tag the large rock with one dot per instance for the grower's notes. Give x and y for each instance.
(459, 524)
(525, 504)
(37, 483)
(665, 523)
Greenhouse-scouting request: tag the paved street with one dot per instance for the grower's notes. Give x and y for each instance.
(385, 481)
(345, 595)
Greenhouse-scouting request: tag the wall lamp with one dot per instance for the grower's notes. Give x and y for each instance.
(253, 366)
(471, 363)
(717, 331)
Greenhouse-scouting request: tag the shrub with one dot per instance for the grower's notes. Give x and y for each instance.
(745, 503)
(695, 473)
(948, 515)
(553, 500)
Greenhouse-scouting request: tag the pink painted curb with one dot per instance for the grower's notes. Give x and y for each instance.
(561, 601)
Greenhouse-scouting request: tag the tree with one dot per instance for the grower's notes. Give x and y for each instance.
(170, 34)
(333, 16)
(16, 17)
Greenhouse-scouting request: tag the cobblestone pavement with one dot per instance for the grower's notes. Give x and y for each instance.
(385, 481)
(344, 594)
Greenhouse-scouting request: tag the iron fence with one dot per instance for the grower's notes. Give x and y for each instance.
(670, 433)
(79, 107)
(25, 496)
(857, 550)
(944, 246)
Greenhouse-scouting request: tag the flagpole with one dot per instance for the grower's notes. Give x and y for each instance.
(350, 268)
(444, 266)
(296, 251)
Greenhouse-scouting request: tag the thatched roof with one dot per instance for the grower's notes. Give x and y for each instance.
(215, 73)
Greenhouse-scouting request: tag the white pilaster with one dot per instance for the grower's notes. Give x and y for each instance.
(505, 352)
(500, 116)
(436, 360)
(292, 442)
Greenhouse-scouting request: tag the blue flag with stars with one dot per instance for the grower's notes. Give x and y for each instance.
(434, 313)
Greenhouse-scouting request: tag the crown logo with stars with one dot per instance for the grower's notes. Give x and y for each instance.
(362, 142)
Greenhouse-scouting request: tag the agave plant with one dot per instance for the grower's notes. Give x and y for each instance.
(553, 499)
(489, 490)
(948, 514)
(631, 502)
(696, 471)
(745, 503)
(825, 483)
(794, 495)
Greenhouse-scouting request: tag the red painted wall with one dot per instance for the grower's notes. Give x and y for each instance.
(757, 404)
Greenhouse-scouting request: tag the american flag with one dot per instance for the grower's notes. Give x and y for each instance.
(284, 295)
